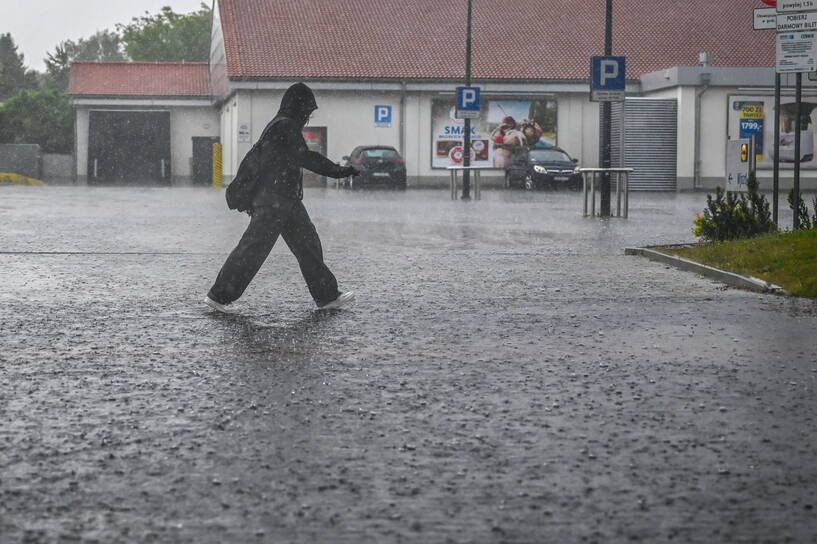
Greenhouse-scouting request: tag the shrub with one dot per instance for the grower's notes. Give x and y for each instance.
(729, 216)
(804, 220)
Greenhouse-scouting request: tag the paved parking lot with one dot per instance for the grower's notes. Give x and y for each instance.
(507, 375)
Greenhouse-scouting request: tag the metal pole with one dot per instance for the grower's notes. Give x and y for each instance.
(626, 195)
(776, 180)
(606, 119)
(584, 193)
(798, 100)
(466, 144)
(753, 161)
(593, 195)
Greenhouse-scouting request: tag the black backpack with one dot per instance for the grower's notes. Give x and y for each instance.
(241, 190)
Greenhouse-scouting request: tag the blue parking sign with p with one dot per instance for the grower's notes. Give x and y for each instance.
(468, 98)
(609, 73)
(382, 115)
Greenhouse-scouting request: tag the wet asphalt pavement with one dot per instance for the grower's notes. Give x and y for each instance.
(506, 375)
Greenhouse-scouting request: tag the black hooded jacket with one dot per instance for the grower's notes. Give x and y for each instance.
(283, 152)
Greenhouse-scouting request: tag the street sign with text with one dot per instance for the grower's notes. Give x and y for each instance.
(608, 79)
(797, 22)
(737, 165)
(796, 52)
(468, 103)
(764, 19)
(786, 6)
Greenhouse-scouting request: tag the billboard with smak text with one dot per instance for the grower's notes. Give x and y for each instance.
(504, 128)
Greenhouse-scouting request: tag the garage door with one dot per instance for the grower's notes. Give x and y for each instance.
(129, 147)
(645, 137)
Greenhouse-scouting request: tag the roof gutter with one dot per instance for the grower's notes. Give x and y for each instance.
(705, 80)
(402, 131)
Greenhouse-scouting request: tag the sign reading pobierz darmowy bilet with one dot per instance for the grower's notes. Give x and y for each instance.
(786, 6)
(797, 22)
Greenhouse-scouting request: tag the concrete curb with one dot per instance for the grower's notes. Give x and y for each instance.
(729, 278)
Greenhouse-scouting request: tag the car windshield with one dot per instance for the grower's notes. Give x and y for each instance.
(548, 155)
(380, 153)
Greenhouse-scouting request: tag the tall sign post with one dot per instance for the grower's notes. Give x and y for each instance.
(766, 19)
(796, 53)
(607, 83)
(466, 144)
(776, 175)
(606, 118)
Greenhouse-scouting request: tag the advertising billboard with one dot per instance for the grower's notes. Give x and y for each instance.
(503, 129)
(754, 116)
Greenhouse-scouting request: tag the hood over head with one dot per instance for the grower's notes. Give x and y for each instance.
(298, 102)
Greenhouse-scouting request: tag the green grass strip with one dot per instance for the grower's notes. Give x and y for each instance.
(788, 259)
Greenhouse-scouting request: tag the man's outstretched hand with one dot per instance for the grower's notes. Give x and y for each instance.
(348, 171)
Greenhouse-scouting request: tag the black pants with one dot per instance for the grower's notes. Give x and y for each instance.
(288, 218)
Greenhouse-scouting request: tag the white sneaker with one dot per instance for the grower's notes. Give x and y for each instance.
(343, 300)
(217, 306)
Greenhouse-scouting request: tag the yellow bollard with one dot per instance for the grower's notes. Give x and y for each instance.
(216, 166)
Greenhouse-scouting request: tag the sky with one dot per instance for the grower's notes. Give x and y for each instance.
(37, 26)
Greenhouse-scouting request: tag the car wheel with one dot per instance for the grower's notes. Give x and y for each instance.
(528, 183)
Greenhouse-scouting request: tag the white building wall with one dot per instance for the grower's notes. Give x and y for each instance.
(229, 138)
(421, 136)
(347, 116)
(185, 123)
(81, 144)
(349, 120)
(714, 119)
(578, 128)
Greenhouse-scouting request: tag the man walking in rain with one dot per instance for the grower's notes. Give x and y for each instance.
(276, 208)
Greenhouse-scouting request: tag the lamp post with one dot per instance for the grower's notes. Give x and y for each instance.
(466, 144)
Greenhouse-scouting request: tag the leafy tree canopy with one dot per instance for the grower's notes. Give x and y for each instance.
(13, 74)
(104, 46)
(168, 36)
(38, 117)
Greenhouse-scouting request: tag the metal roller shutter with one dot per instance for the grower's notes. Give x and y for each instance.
(645, 137)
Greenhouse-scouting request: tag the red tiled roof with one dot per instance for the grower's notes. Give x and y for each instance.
(139, 79)
(512, 39)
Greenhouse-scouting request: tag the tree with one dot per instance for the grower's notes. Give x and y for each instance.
(168, 36)
(38, 117)
(104, 46)
(13, 73)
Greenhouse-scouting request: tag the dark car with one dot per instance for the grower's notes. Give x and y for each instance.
(379, 165)
(543, 167)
